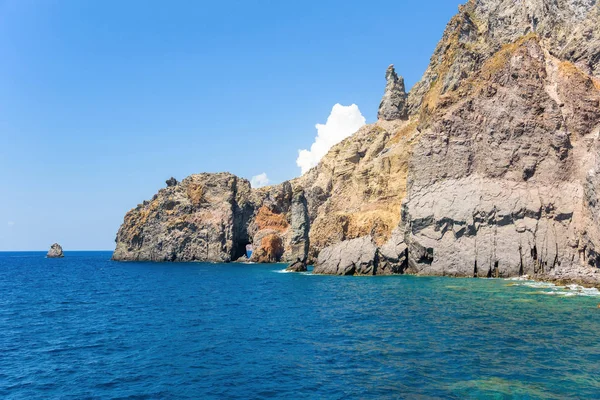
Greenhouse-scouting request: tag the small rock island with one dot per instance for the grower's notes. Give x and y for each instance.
(55, 251)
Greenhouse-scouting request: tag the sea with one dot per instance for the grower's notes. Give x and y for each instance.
(86, 327)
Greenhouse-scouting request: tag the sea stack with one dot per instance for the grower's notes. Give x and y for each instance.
(55, 251)
(393, 104)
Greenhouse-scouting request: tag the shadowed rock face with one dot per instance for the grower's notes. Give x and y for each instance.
(55, 251)
(488, 167)
(297, 266)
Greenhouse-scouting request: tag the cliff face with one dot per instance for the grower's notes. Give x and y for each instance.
(488, 167)
(202, 218)
(212, 217)
(507, 149)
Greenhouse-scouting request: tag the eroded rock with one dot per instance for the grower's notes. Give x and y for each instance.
(55, 251)
(297, 266)
(393, 104)
(352, 257)
(488, 167)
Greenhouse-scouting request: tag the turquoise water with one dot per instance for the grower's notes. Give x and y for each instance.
(86, 327)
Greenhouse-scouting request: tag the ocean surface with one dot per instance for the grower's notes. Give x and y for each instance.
(86, 327)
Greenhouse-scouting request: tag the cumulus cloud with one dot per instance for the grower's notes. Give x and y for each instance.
(341, 123)
(11, 224)
(259, 180)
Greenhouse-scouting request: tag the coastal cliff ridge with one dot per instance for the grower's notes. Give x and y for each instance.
(487, 167)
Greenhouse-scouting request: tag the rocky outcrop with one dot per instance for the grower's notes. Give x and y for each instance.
(297, 266)
(488, 167)
(351, 257)
(300, 227)
(358, 187)
(55, 251)
(171, 182)
(394, 102)
(202, 218)
(393, 255)
(363, 257)
(212, 217)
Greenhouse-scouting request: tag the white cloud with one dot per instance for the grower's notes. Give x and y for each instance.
(11, 224)
(259, 180)
(341, 123)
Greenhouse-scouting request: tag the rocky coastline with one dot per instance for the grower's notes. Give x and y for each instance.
(488, 167)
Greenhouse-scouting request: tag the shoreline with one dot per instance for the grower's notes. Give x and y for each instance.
(584, 276)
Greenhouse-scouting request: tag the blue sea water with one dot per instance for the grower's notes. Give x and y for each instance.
(86, 327)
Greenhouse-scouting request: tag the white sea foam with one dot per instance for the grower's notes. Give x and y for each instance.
(540, 285)
(551, 289)
(519, 278)
(283, 271)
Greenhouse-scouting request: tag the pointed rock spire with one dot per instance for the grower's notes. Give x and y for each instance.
(393, 104)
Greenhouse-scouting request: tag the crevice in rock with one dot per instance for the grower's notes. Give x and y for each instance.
(521, 272)
(404, 265)
(475, 270)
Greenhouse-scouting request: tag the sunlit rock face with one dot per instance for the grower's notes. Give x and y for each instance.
(487, 167)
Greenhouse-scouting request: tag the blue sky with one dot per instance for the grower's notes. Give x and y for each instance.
(102, 101)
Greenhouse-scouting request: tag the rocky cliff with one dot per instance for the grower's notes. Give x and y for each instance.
(487, 167)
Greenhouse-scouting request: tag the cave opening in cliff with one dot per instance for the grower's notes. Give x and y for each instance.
(239, 250)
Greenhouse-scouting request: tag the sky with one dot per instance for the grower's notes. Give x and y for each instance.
(101, 101)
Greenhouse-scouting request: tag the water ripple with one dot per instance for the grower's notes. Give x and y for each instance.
(85, 327)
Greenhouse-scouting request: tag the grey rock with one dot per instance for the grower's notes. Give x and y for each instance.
(297, 266)
(171, 182)
(393, 104)
(498, 177)
(55, 251)
(362, 257)
(352, 257)
(393, 255)
(300, 226)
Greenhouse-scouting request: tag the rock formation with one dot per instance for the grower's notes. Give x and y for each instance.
(55, 251)
(202, 218)
(171, 182)
(351, 257)
(297, 266)
(393, 104)
(488, 167)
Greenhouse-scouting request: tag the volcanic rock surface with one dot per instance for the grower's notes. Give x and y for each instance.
(488, 167)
